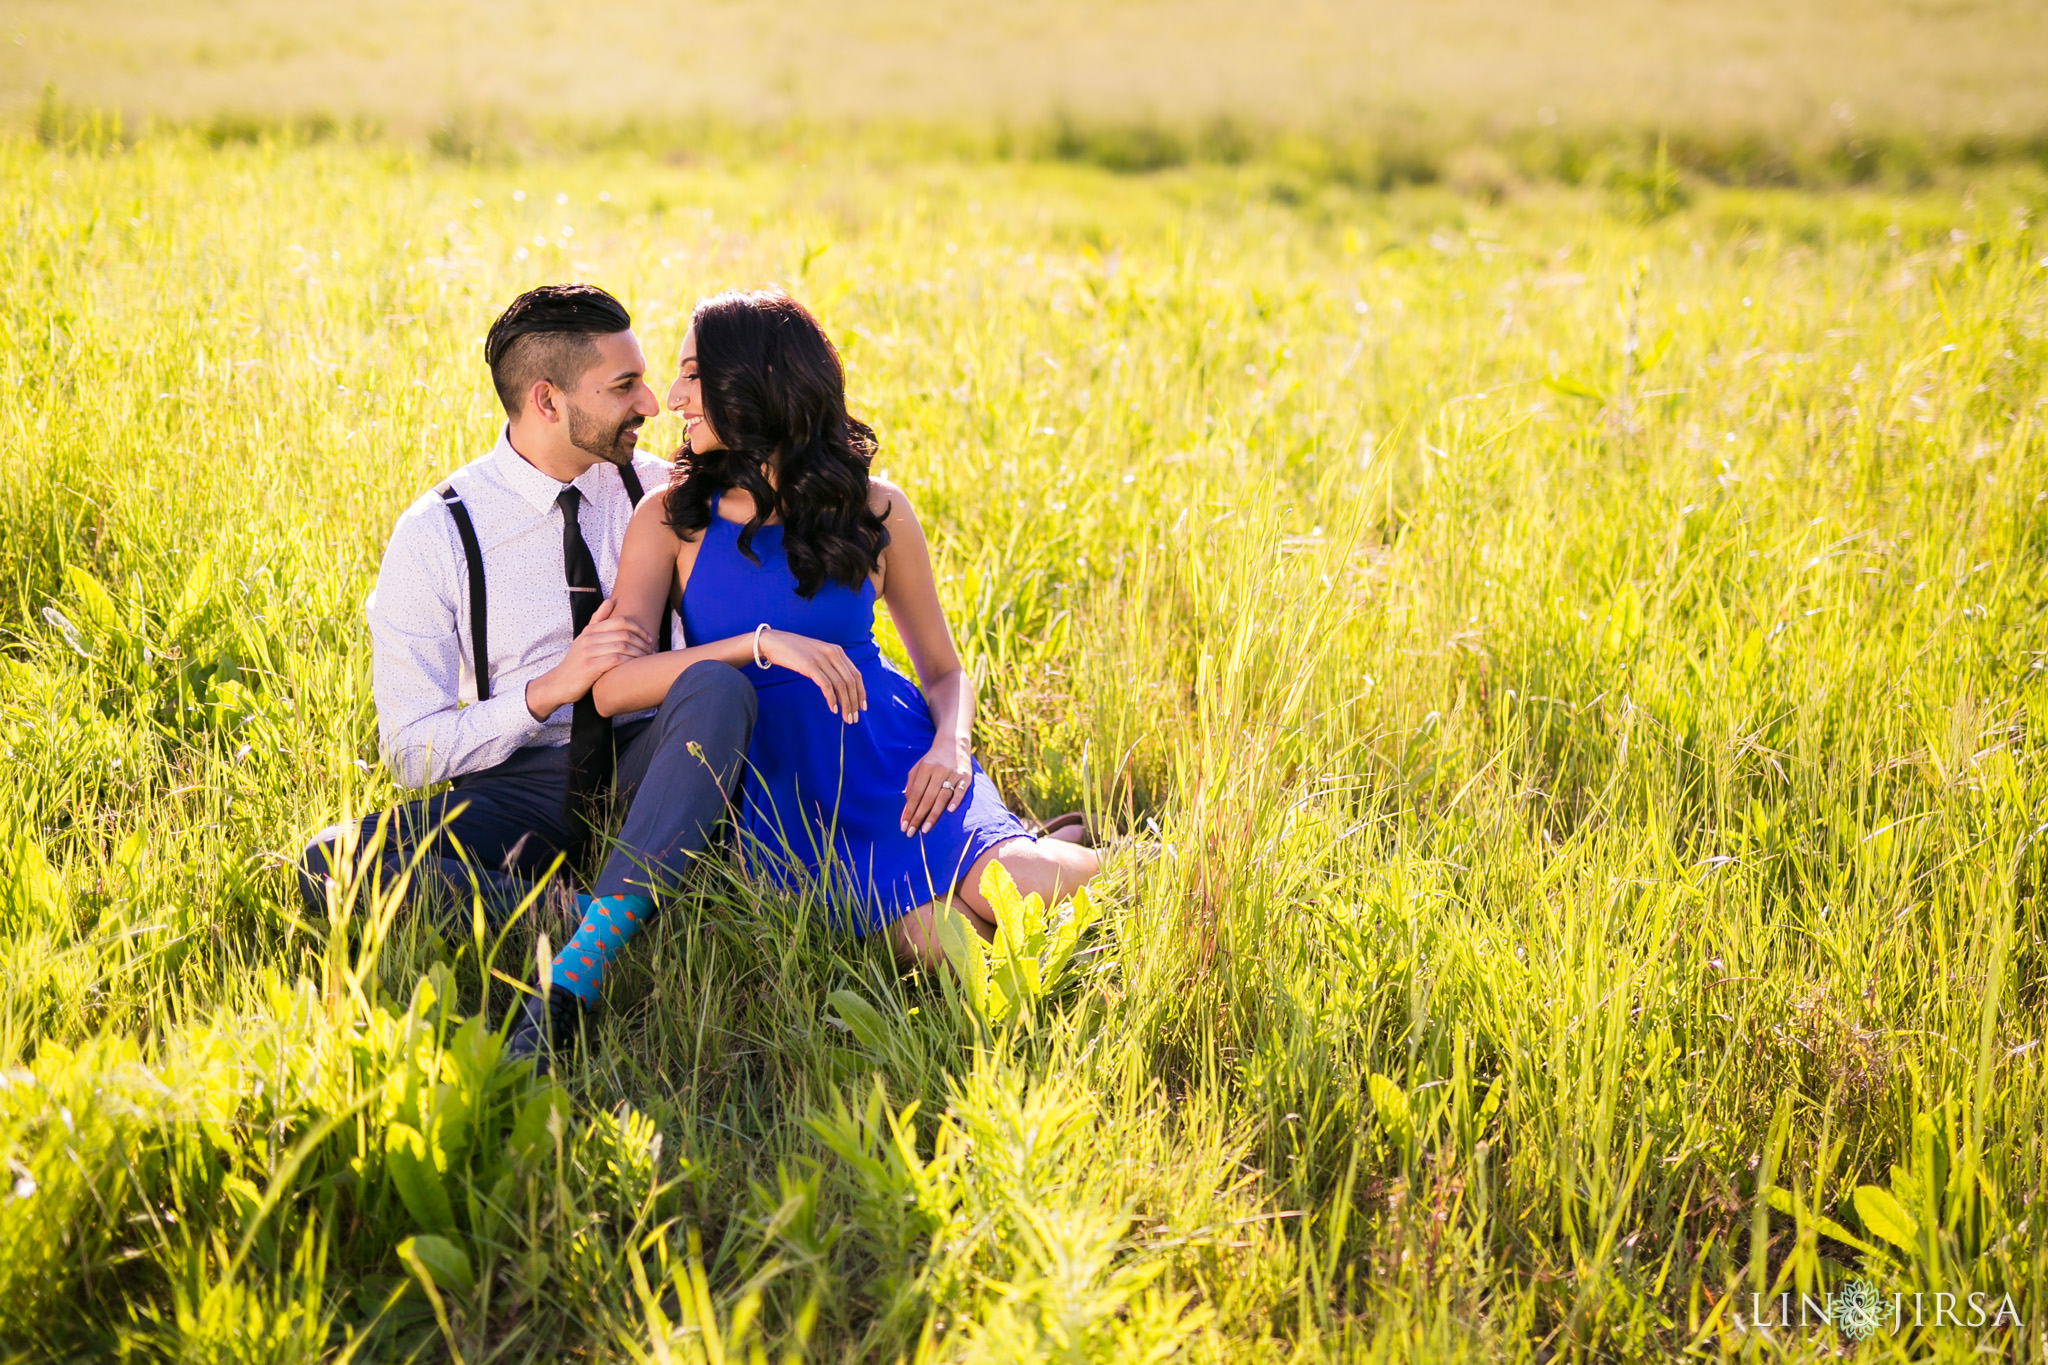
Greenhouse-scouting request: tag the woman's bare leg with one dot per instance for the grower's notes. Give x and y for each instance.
(1051, 867)
(915, 936)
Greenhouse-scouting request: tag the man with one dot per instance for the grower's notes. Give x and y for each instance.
(491, 620)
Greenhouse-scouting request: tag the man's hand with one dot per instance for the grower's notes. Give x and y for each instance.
(605, 643)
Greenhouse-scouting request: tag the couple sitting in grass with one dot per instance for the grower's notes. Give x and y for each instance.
(524, 645)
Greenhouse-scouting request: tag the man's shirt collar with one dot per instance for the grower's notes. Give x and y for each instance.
(598, 480)
(538, 489)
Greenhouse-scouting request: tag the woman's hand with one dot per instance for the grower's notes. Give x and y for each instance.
(612, 638)
(937, 785)
(824, 664)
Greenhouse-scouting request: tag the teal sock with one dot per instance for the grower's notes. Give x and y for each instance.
(608, 921)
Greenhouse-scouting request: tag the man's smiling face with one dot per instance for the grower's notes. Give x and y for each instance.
(611, 401)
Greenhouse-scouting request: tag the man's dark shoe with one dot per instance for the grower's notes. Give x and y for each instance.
(547, 1025)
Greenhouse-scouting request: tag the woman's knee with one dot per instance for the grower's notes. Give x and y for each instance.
(1045, 867)
(915, 933)
(910, 935)
(1055, 878)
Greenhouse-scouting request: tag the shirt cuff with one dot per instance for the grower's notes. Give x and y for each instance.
(505, 716)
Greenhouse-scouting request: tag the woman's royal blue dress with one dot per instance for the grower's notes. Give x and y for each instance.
(821, 799)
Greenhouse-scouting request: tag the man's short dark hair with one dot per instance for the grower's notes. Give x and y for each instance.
(546, 334)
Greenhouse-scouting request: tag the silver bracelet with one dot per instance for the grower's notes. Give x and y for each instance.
(759, 662)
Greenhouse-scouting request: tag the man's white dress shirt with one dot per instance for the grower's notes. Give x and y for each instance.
(430, 726)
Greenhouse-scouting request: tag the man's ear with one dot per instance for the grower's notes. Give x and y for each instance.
(545, 401)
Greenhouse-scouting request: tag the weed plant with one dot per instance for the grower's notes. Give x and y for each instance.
(1562, 671)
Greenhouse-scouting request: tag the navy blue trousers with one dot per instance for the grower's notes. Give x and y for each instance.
(492, 834)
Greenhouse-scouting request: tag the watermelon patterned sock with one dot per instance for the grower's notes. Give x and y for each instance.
(608, 921)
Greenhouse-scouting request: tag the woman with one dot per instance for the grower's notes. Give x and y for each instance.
(780, 544)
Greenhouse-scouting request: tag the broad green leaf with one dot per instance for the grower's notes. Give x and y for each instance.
(530, 1136)
(1654, 352)
(192, 600)
(138, 619)
(413, 1175)
(243, 1194)
(1573, 388)
(474, 1052)
(436, 989)
(439, 1258)
(452, 1115)
(1058, 948)
(62, 624)
(968, 957)
(1494, 1093)
(1883, 1217)
(1782, 1201)
(863, 1019)
(1034, 925)
(37, 887)
(1390, 1106)
(1014, 979)
(1064, 939)
(96, 605)
(1906, 1188)
(1000, 892)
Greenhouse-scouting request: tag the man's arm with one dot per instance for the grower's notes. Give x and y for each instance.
(418, 642)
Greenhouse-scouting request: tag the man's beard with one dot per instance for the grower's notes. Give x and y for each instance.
(591, 437)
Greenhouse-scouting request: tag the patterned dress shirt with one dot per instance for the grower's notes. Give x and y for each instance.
(430, 726)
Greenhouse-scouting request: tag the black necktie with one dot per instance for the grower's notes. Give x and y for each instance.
(590, 734)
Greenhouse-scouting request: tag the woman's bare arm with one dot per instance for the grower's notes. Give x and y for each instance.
(941, 778)
(653, 558)
(646, 580)
(650, 562)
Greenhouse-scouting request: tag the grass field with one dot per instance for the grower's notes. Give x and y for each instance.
(1566, 668)
(1434, 79)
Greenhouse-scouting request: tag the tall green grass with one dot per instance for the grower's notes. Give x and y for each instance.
(1659, 160)
(1564, 670)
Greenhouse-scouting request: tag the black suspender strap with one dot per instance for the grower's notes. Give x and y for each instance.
(629, 477)
(478, 613)
(479, 642)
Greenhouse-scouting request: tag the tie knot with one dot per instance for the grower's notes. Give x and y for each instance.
(569, 500)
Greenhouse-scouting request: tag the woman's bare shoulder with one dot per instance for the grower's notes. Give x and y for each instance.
(889, 502)
(650, 518)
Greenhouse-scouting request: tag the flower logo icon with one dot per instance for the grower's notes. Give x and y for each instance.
(1859, 1308)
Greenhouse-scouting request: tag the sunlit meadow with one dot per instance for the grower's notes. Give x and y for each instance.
(1561, 673)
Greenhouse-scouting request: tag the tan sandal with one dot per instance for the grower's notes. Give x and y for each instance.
(1073, 819)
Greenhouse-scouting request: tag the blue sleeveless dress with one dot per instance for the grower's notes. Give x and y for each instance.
(821, 799)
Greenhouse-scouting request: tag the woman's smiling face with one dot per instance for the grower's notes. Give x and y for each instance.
(686, 400)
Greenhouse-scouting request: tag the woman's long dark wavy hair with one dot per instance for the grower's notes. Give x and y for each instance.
(774, 391)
